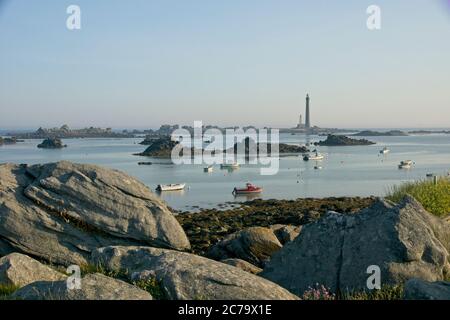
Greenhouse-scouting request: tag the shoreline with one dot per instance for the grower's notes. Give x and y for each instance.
(208, 226)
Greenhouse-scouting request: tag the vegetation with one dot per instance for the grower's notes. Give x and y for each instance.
(150, 285)
(91, 268)
(6, 291)
(435, 197)
(320, 292)
(385, 293)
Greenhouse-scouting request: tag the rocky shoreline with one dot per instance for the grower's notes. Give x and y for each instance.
(129, 245)
(208, 226)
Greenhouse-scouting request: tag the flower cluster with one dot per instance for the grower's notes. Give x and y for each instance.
(319, 292)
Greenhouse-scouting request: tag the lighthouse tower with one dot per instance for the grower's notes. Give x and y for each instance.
(308, 119)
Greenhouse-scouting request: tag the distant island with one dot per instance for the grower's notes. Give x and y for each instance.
(51, 143)
(282, 148)
(429, 132)
(65, 132)
(162, 148)
(391, 133)
(12, 140)
(335, 140)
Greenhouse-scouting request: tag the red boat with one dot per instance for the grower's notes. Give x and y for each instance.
(250, 188)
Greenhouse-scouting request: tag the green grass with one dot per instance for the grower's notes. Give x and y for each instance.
(435, 198)
(150, 285)
(91, 268)
(6, 291)
(385, 293)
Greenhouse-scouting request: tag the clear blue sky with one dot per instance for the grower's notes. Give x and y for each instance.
(144, 63)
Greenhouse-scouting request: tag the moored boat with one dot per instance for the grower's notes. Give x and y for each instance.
(170, 187)
(145, 163)
(208, 169)
(385, 150)
(313, 157)
(405, 164)
(249, 189)
(229, 165)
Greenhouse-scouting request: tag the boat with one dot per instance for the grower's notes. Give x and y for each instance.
(406, 164)
(249, 189)
(229, 165)
(208, 169)
(313, 157)
(431, 175)
(385, 150)
(317, 167)
(145, 163)
(170, 187)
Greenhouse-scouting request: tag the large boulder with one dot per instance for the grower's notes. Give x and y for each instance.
(403, 240)
(93, 287)
(18, 270)
(184, 276)
(62, 211)
(416, 289)
(255, 245)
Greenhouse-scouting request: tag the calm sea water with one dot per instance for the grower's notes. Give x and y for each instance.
(346, 171)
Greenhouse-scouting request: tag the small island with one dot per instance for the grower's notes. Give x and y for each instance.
(282, 148)
(391, 133)
(52, 143)
(159, 148)
(335, 140)
(12, 140)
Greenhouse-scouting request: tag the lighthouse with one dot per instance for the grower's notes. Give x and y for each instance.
(308, 119)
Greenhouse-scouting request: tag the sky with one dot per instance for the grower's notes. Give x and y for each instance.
(143, 63)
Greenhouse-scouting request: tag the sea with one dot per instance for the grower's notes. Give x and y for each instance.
(345, 171)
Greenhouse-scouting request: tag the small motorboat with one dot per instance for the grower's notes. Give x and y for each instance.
(229, 165)
(406, 164)
(249, 189)
(170, 187)
(313, 157)
(317, 167)
(385, 150)
(430, 175)
(208, 169)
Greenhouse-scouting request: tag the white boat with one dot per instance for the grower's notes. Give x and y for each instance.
(406, 164)
(170, 187)
(313, 157)
(229, 166)
(385, 150)
(317, 167)
(208, 169)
